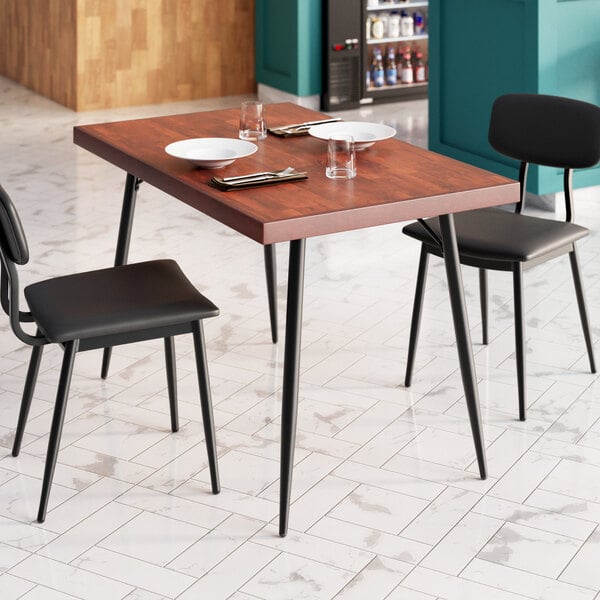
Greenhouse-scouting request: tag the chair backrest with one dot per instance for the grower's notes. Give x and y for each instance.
(546, 130)
(13, 251)
(12, 237)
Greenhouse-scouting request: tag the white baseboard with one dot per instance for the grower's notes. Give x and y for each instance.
(268, 94)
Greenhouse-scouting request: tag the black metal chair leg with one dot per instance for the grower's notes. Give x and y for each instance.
(291, 375)
(271, 273)
(106, 356)
(520, 337)
(32, 373)
(582, 308)
(172, 382)
(463, 337)
(132, 183)
(415, 323)
(483, 300)
(206, 403)
(57, 424)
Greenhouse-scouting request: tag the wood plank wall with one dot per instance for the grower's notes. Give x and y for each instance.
(37, 46)
(92, 54)
(152, 51)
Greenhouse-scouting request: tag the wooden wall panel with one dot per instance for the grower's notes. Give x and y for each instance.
(152, 51)
(37, 46)
(91, 54)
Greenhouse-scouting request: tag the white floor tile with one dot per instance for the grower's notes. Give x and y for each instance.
(121, 439)
(231, 573)
(530, 549)
(441, 515)
(574, 479)
(174, 507)
(88, 532)
(583, 569)
(565, 505)
(522, 582)
(379, 509)
(70, 579)
(376, 580)
(10, 556)
(449, 587)
(379, 542)
(44, 593)
(314, 548)
(463, 542)
(78, 507)
(528, 472)
(291, 577)
(319, 500)
(153, 538)
(552, 522)
(216, 545)
(13, 587)
(133, 572)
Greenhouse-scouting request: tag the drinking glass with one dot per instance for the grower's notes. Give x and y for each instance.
(341, 157)
(252, 121)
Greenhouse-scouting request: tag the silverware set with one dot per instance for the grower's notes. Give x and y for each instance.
(261, 178)
(296, 128)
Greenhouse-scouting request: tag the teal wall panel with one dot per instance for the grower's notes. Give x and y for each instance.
(288, 45)
(482, 49)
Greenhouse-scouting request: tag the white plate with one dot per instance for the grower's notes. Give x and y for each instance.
(364, 134)
(211, 153)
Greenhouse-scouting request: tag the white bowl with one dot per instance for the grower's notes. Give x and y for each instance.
(211, 153)
(364, 134)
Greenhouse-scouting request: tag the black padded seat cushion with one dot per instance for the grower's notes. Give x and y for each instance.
(115, 301)
(496, 234)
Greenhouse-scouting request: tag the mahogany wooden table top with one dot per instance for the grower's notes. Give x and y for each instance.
(395, 182)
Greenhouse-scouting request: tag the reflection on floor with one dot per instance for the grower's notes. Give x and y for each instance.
(386, 499)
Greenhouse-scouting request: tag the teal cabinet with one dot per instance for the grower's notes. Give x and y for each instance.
(480, 49)
(288, 45)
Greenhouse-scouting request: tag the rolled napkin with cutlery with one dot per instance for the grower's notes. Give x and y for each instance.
(241, 182)
(297, 129)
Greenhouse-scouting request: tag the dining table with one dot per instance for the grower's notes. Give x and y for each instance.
(395, 182)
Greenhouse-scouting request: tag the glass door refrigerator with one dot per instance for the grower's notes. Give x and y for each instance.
(374, 51)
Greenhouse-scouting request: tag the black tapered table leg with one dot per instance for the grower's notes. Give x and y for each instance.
(291, 373)
(463, 336)
(271, 273)
(132, 184)
(415, 322)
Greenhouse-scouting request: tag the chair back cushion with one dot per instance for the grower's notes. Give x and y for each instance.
(546, 130)
(12, 237)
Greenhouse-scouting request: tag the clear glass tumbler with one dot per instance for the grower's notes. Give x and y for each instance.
(341, 157)
(252, 121)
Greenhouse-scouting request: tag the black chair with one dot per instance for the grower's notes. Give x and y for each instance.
(97, 309)
(537, 129)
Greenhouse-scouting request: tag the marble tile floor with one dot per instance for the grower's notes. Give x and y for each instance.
(386, 499)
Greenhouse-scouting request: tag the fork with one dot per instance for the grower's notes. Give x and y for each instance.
(265, 174)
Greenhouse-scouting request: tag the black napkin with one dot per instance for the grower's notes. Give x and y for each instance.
(289, 132)
(225, 186)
